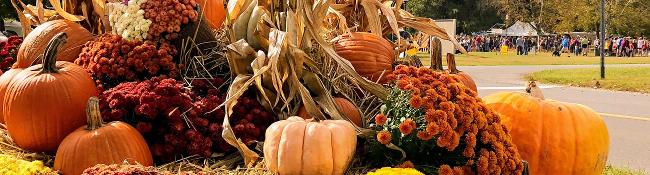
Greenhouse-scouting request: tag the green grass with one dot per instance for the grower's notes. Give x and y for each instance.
(636, 79)
(611, 170)
(494, 59)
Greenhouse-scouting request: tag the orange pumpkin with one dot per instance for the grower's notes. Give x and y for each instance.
(462, 76)
(554, 137)
(298, 146)
(46, 102)
(214, 12)
(370, 55)
(344, 106)
(5, 79)
(35, 42)
(99, 143)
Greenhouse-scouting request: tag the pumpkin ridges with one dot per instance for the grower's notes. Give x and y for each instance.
(364, 51)
(272, 142)
(315, 156)
(573, 140)
(213, 11)
(98, 143)
(290, 150)
(36, 41)
(5, 79)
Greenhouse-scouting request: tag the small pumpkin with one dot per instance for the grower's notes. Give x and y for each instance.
(554, 137)
(36, 41)
(465, 78)
(298, 146)
(214, 12)
(371, 56)
(46, 102)
(99, 143)
(347, 108)
(5, 79)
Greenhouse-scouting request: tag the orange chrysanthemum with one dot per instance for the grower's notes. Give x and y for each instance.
(380, 119)
(415, 101)
(384, 137)
(445, 170)
(407, 126)
(423, 135)
(406, 164)
(432, 128)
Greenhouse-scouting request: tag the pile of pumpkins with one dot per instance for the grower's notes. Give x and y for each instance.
(50, 107)
(47, 100)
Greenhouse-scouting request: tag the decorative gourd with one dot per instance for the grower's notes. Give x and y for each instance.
(298, 146)
(214, 12)
(344, 106)
(5, 79)
(554, 137)
(46, 102)
(36, 41)
(99, 143)
(462, 76)
(370, 55)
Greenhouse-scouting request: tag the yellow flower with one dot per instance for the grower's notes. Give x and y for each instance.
(12, 165)
(396, 171)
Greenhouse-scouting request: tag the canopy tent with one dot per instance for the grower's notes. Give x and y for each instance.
(521, 29)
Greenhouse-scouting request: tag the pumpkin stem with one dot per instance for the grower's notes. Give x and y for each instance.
(533, 90)
(49, 57)
(451, 63)
(435, 52)
(94, 117)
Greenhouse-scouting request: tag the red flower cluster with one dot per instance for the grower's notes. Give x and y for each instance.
(8, 51)
(177, 122)
(451, 114)
(167, 16)
(112, 60)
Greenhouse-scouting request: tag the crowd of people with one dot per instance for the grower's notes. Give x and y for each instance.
(620, 46)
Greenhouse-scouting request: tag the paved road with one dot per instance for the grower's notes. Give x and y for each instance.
(627, 114)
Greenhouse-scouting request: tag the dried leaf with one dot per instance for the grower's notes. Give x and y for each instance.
(372, 15)
(41, 12)
(24, 22)
(57, 7)
(240, 56)
(237, 88)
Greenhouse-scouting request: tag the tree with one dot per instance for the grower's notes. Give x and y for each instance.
(623, 16)
(472, 15)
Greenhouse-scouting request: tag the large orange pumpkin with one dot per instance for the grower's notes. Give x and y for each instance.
(298, 146)
(35, 42)
(46, 102)
(554, 137)
(99, 143)
(370, 55)
(5, 79)
(344, 106)
(464, 77)
(214, 12)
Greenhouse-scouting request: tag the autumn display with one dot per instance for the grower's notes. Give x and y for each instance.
(194, 87)
(431, 114)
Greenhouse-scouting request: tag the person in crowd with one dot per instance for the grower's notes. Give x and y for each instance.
(565, 44)
(596, 45)
(575, 45)
(585, 45)
(607, 47)
(520, 45)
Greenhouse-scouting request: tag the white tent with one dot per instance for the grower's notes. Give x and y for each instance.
(521, 29)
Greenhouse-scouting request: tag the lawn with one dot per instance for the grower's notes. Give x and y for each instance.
(636, 79)
(611, 170)
(494, 59)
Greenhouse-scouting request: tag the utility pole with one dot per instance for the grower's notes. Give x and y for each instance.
(602, 39)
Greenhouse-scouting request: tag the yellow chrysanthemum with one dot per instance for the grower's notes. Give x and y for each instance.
(14, 166)
(396, 171)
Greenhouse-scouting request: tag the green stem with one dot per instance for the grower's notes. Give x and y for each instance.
(49, 57)
(93, 115)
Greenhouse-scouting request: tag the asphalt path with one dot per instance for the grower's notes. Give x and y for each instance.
(627, 114)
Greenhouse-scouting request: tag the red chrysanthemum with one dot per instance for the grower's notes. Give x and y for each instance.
(407, 126)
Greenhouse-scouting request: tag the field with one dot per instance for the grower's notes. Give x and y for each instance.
(636, 79)
(494, 59)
